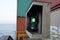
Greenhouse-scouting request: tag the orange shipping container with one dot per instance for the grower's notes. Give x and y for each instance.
(21, 24)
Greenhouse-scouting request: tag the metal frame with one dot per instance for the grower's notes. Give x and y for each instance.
(45, 20)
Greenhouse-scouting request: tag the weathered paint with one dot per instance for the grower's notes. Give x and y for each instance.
(21, 25)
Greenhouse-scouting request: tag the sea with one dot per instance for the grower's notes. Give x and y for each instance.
(8, 29)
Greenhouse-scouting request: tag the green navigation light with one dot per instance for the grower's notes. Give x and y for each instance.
(33, 20)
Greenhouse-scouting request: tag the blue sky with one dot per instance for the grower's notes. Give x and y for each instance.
(8, 14)
(8, 11)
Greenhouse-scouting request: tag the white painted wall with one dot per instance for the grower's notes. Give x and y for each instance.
(55, 21)
(55, 18)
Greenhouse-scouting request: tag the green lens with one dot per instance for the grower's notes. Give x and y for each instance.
(33, 20)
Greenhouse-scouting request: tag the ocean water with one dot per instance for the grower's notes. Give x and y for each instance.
(8, 29)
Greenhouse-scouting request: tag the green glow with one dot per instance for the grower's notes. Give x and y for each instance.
(33, 20)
